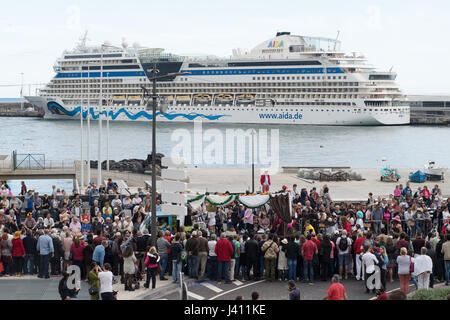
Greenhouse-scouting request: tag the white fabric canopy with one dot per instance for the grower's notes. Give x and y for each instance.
(254, 200)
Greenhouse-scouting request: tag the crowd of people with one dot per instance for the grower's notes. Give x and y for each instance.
(405, 236)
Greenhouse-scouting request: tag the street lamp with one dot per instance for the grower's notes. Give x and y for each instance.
(107, 131)
(89, 128)
(253, 132)
(99, 165)
(81, 141)
(154, 97)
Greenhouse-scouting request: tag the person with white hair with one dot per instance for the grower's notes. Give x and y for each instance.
(369, 261)
(192, 246)
(423, 266)
(344, 245)
(336, 291)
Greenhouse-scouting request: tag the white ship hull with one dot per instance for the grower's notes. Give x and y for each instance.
(244, 114)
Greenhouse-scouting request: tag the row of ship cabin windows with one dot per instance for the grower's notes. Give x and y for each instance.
(291, 78)
(282, 110)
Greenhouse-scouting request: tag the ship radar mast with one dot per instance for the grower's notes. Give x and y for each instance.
(83, 39)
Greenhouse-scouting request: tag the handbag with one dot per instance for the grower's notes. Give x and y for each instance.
(411, 265)
(93, 290)
(159, 269)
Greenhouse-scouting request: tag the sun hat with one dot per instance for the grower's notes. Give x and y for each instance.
(284, 241)
(397, 218)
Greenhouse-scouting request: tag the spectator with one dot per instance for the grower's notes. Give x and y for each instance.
(163, 246)
(129, 261)
(106, 279)
(99, 253)
(336, 291)
(309, 248)
(270, 250)
(202, 254)
(423, 266)
(343, 244)
(152, 262)
(46, 251)
(294, 292)
(18, 253)
(223, 250)
(404, 264)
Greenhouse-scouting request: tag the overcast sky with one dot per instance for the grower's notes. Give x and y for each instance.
(410, 36)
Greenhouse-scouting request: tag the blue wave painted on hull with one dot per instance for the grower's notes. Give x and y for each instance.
(55, 108)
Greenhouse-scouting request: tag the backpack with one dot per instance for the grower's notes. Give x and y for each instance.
(343, 244)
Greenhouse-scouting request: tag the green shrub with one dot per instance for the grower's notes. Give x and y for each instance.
(431, 294)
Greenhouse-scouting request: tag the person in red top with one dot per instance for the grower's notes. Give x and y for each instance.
(336, 291)
(265, 181)
(308, 250)
(168, 237)
(357, 249)
(382, 295)
(346, 225)
(77, 249)
(314, 239)
(18, 253)
(224, 250)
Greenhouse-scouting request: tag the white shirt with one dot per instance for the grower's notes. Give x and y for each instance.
(212, 218)
(266, 180)
(368, 261)
(136, 201)
(349, 244)
(212, 246)
(294, 193)
(106, 280)
(445, 215)
(422, 263)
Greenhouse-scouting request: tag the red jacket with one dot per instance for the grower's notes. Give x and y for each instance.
(358, 244)
(263, 179)
(78, 251)
(316, 241)
(224, 250)
(348, 227)
(17, 248)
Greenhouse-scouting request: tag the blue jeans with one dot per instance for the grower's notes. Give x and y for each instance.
(308, 265)
(447, 271)
(176, 269)
(236, 268)
(292, 265)
(377, 227)
(331, 267)
(28, 265)
(220, 265)
(44, 261)
(211, 268)
(192, 265)
(261, 265)
(164, 260)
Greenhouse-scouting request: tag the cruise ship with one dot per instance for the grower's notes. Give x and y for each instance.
(288, 79)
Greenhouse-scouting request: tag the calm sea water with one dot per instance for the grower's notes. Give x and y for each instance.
(358, 147)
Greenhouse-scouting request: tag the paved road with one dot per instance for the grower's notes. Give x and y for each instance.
(47, 289)
(35, 289)
(209, 290)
